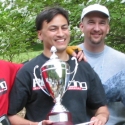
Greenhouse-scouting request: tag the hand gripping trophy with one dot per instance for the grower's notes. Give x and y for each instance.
(55, 74)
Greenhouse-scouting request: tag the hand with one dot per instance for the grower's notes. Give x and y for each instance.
(71, 50)
(45, 122)
(80, 56)
(98, 121)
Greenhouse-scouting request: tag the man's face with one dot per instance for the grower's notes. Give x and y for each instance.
(55, 33)
(95, 27)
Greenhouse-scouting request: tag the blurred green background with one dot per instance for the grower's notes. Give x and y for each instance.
(18, 37)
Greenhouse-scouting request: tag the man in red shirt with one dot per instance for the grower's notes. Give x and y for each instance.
(8, 72)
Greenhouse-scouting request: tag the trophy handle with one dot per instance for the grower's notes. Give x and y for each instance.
(36, 79)
(75, 69)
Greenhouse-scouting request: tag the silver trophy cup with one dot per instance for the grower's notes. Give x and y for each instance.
(55, 74)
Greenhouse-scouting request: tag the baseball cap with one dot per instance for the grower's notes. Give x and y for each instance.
(95, 7)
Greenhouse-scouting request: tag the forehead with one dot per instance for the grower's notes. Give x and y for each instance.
(96, 14)
(57, 21)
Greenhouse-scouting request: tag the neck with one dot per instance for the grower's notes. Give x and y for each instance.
(94, 48)
(61, 55)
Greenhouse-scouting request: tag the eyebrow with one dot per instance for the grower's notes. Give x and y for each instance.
(57, 25)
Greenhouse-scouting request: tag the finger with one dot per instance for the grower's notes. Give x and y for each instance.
(74, 54)
(85, 59)
(98, 123)
(81, 56)
(46, 122)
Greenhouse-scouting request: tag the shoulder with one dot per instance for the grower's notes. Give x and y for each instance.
(114, 52)
(88, 71)
(81, 45)
(3, 62)
(9, 65)
(36, 62)
(80, 63)
(82, 67)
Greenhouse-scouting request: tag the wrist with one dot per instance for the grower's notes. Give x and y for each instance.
(102, 117)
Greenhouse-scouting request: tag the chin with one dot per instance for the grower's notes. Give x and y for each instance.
(96, 42)
(61, 49)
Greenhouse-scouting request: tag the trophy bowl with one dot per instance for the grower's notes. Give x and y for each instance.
(55, 74)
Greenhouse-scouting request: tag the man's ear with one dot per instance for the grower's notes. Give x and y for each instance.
(108, 29)
(39, 33)
(81, 26)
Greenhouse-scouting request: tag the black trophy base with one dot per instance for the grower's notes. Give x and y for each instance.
(60, 118)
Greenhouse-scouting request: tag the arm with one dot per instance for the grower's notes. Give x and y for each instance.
(20, 96)
(17, 120)
(97, 100)
(101, 116)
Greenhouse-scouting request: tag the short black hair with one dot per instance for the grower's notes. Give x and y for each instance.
(48, 14)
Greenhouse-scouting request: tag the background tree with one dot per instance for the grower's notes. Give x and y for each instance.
(18, 33)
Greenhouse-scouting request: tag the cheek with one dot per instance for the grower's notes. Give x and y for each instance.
(51, 34)
(105, 31)
(68, 33)
(48, 35)
(87, 28)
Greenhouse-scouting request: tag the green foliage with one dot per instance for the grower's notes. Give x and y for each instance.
(117, 25)
(18, 23)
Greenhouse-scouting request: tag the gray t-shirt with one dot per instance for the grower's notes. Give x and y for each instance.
(107, 64)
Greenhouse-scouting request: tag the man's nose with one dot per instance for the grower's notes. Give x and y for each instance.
(96, 27)
(60, 32)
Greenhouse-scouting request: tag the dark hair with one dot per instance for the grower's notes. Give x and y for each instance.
(48, 14)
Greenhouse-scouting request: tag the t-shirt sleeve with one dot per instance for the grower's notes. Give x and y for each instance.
(19, 93)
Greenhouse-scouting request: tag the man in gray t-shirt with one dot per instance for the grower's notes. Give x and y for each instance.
(106, 61)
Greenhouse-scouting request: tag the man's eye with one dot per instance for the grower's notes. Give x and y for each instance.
(53, 29)
(65, 27)
(90, 22)
(103, 23)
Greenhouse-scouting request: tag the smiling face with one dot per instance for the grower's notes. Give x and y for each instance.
(55, 33)
(95, 27)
